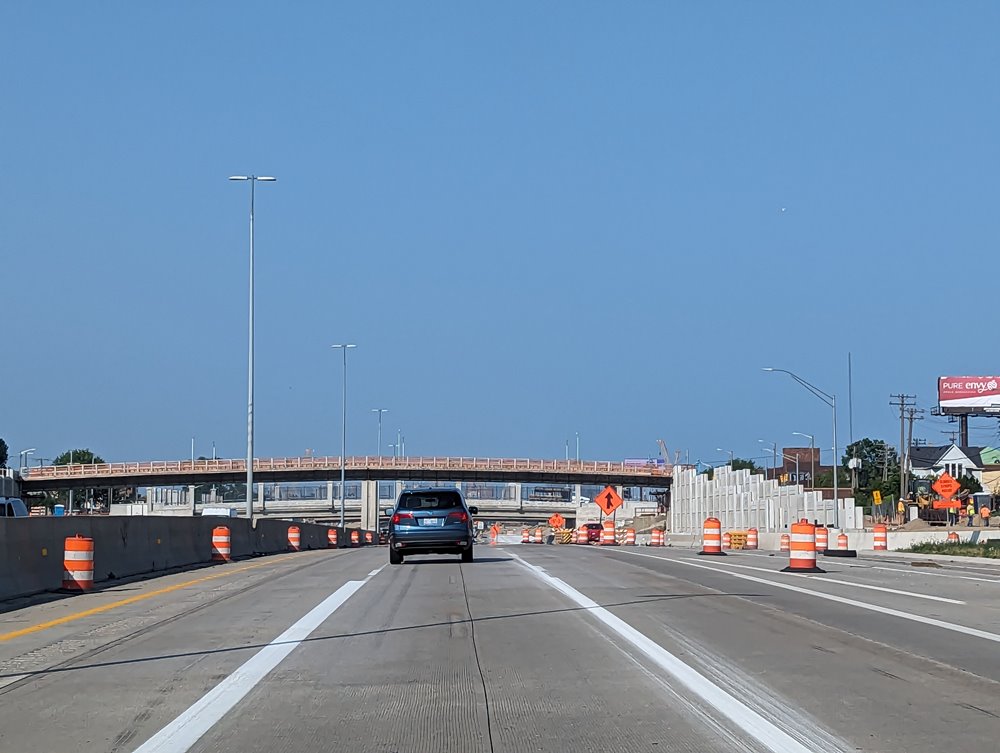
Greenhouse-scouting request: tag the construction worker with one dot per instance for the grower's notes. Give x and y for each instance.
(984, 513)
(900, 510)
(970, 510)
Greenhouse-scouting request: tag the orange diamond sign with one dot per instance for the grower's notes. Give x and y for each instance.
(608, 500)
(946, 486)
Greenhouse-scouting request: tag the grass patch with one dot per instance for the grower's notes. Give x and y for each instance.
(990, 549)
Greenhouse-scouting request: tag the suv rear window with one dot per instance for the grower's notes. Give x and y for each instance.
(430, 501)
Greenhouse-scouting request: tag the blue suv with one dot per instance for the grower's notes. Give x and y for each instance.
(430, 521)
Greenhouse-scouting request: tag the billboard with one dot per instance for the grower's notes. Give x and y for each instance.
(969, 394)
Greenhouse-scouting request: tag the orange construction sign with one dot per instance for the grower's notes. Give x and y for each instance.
(946, 486)
(557, 521)
(608, 500)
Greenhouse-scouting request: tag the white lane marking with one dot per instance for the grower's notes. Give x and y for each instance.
(967, 631)
(924, 571)
(756, 726)
(184, 731)
(824, 579)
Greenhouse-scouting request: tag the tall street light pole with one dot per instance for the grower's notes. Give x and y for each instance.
(732, 455)
(252, 179)
(830, 400)
(578, 447)
(812, 457)
(343, 439)
(774, 455)
(380, 411)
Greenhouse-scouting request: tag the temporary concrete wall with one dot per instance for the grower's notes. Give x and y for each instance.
(31, 549)
(865, 540)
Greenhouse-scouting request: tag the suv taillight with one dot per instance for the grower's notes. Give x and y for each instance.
(401, 516)
(458, 517)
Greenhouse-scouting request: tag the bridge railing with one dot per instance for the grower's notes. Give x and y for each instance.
(367, 462)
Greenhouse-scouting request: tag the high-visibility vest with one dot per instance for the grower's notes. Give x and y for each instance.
(984, 511)
(971, 510)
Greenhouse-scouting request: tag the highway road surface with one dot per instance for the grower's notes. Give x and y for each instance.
(530, 648)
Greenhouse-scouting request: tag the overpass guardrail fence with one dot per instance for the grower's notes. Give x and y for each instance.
(359, 463)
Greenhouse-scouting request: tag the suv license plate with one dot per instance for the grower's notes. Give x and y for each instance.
(430, 522)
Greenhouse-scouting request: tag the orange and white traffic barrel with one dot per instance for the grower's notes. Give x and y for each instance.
(608, 536)
(355, 538)
(539, 536)
(78, 563)
(656, 537)
(369, 538)
(629, 537)
(711, 542)
(752, 539)
(294, 538)
(881, 538)
(525, 536)
(785, 541)
(802, 556)
(822, 539)
(842, 542)
(952, 537)
(727, 541)
(331, 538)
(221, 544)
(581, 536)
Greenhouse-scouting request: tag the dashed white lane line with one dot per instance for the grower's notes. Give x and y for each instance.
(756, 726)
(825, 579)
(184, 731)
(924, 571)
(964, 630)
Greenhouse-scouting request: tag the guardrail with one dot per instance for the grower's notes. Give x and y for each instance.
(165, 467)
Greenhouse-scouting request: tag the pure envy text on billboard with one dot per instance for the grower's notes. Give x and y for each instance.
(969, 394)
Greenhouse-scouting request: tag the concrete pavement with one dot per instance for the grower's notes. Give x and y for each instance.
(554, 648)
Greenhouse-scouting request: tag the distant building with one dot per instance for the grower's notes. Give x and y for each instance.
(809, 459)
(926, 462)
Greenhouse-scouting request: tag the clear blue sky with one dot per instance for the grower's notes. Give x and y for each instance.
(534, 219)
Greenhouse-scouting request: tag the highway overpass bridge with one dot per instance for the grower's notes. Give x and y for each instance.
(367, 468)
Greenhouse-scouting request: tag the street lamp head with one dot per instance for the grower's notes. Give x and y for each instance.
(239, 177)
(265, 177)
(344, 346)
(767, 368)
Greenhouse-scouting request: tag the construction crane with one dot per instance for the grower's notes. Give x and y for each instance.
(665, 454)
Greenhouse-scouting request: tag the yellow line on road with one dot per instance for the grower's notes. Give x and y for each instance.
(130, 600)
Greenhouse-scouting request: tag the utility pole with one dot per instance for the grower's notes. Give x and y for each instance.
(912, 414)
(902, 402)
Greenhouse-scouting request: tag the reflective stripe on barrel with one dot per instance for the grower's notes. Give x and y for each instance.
(802, 552)
(608, 536)
(221, 547)
(294, 538)
(78, 563)
(881, 538)
(712, 536)
(822, 539)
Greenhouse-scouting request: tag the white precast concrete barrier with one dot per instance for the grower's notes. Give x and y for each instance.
(743, 500)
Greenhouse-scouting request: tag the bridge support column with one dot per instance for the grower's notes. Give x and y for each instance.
(329, 495)
(260, 497)
(190, 498)
(369, 505)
